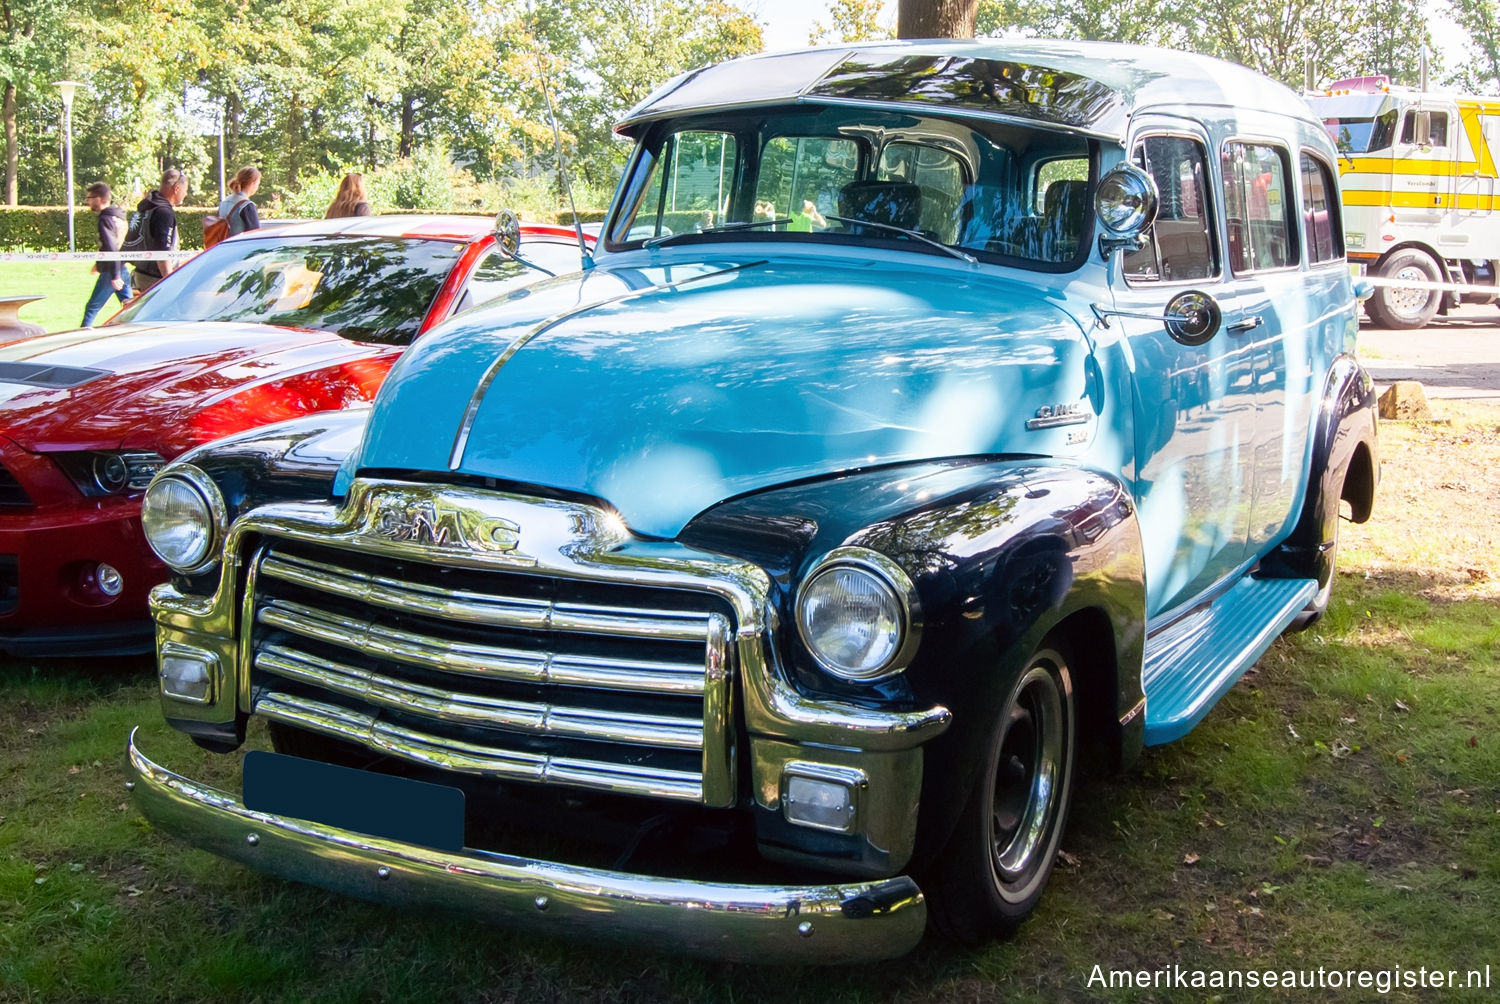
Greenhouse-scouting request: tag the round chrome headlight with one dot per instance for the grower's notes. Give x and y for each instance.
(180, 523)
(856, 614)
(1125, 200)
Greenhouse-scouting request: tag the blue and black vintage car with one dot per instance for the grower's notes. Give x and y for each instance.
(933, 414)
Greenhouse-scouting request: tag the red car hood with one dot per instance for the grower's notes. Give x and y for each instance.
(142, 385)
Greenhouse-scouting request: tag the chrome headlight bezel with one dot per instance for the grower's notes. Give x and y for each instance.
(215, 517)
(893, 580)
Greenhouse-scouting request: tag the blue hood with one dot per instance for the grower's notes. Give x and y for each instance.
(668, 389)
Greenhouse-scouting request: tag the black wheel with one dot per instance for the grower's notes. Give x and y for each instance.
(1403, 306)
(1000, 856)
(1318, 605)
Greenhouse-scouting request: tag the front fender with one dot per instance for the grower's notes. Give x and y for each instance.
(1003, 552)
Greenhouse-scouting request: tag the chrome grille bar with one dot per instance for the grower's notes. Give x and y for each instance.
(490, 661)
(468, 758)
(484, 609)
(474, 709)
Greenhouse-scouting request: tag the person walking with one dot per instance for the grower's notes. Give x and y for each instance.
(158, 219)
(350, 200)
(113, 279)
(237, 207)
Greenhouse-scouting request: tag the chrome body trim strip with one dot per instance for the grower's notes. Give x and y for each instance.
(470, 758)
(828, 923)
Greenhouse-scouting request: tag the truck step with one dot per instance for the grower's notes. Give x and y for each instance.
(1192, 662)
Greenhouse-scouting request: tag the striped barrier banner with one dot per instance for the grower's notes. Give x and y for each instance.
(97, 255)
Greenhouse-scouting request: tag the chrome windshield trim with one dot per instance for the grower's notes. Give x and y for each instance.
(826, 923)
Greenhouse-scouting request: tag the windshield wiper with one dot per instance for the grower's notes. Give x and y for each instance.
(660, 239)
(955, 252)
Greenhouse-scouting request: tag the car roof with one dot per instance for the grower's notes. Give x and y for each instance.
(1089, 87)
(435, 225)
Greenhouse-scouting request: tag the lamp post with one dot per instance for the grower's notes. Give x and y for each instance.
(67, 87)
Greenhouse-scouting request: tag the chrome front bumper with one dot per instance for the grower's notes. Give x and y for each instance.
(827, 924)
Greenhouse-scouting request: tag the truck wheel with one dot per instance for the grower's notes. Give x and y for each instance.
(1318, 605)
(997, 862)
(1400, 307)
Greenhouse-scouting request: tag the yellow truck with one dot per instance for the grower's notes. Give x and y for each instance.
(1421, 214)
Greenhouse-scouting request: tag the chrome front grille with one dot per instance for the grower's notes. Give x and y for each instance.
(510, 675)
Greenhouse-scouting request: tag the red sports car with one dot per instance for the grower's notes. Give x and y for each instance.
(265, 326)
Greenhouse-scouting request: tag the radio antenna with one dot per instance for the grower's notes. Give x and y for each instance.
(562, 166)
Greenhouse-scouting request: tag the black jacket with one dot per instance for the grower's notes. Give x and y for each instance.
(161, 229)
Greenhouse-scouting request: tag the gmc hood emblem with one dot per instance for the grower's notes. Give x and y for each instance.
(426, 523)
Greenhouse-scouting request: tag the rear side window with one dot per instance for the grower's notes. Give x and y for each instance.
(1180, 244)
(1320, 218)
(1258, 208)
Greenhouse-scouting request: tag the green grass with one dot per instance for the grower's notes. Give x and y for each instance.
(1338, 809)
(66, 286)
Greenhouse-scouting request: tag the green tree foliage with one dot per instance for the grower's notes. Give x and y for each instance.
(1480, 19)
(1275, 37)
(33, 54)
(850, 21)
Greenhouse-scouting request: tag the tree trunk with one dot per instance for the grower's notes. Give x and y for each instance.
(12, 148)
(936, 18)
(408, 124)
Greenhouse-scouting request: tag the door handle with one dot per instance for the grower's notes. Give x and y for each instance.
(1248, 324)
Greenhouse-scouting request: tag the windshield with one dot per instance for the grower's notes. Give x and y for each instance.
(989, 189)
(368, 289)
(1355, 135)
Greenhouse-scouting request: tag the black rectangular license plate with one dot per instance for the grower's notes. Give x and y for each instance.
(379, 805)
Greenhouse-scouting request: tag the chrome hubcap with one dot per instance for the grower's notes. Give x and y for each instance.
(1406, 300)
(1027, 776)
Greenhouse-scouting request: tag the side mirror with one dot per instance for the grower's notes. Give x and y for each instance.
(508, 231)
(1125, 203)
(1422, 132)
(1363, 289)
(1193, 317)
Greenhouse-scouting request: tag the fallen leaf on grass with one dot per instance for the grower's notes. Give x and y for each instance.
(1067, 859)
(1292, 731)
(1473, 740)
(74, 770)
(1190, 858)
(132, 891)
(1317, 861)
(1478, 574)
(1401, 706)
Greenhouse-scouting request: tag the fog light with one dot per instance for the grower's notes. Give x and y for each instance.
(819, 802)
(108, 579)
(187, 674)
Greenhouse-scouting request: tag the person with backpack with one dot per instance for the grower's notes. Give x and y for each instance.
(155, 227)
(113, 279)
(236, 213)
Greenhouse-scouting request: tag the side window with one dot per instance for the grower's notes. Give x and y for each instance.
(800, 178)
(938, 174)
(1064, 169)
(1437, 128)
(1257, 208)
(689, 186)
(491, 277)
(1180, 244)
(1320, 212)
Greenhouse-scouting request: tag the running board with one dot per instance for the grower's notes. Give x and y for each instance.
(1192, 662)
